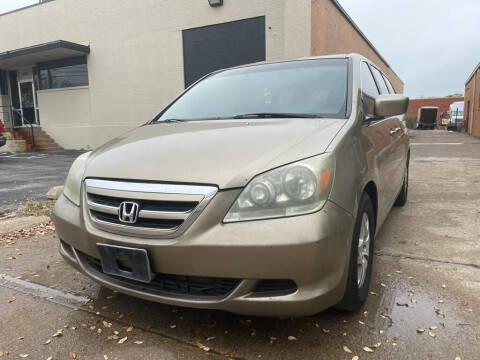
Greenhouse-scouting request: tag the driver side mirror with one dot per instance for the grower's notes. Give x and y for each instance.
(390, 105)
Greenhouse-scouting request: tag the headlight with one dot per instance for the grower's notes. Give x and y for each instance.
(74, 179)
(295, 189)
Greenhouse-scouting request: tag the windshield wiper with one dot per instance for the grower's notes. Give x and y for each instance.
(172, 120)
(275, 115)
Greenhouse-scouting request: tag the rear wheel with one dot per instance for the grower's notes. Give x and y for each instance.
(360, 268)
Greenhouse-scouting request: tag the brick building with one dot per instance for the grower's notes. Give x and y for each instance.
(472, 103)
(442, 103)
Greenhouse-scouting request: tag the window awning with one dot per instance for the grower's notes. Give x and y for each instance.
(29, 56)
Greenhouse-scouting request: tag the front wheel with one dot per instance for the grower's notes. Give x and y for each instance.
(361, 257)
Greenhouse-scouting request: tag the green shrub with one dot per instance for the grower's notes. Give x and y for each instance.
(410, 120)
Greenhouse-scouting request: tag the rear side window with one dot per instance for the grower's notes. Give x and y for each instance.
(380, 82)
(369, 89)
(368, 84)
(389, 85)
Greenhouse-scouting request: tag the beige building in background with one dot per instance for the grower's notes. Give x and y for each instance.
(87, 71)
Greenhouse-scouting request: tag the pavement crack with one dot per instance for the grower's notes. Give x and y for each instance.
(425, 258)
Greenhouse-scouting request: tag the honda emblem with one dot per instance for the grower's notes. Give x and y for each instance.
(128, 212)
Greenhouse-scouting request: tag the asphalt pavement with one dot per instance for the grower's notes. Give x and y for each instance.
(28, 176)
(424, 300)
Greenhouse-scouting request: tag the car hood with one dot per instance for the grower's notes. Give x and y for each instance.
(227, 153)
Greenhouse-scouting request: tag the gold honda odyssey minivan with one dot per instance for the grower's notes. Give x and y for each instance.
(259, 190)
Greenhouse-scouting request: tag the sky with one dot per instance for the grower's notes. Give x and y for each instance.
(433, 45)
(8, 5)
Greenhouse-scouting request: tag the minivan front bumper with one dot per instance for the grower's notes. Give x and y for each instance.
(311, 250)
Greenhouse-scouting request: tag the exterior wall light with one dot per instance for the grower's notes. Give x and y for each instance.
(214, 3)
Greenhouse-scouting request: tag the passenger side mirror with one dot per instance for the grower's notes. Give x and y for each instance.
(390, 105)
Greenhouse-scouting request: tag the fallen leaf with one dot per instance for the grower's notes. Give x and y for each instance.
(444, 286)
(375, 346)
(432, 334)
(1, 353)
(361, 322)
(50, 358)
(173, 326)
(367, 349)
(346, 349)
(99, 330)
(402, 304)
(373, 293)
(292, 338)
(203, 347)
(211, 338)
(433, 327)
(138, 342)
(272, 339)
(47, 342)
(58, 333)
(355, 357)
(105, 357)
(382, 284)
(122, 340)
(106, 324)
(326, 331)
(130, 328)
(420, 330)
(73, 355)
(23, 355)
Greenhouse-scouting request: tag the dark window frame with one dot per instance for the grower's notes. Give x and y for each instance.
(50, 66)
(3, 82)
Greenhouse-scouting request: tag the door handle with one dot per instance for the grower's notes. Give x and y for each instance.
(394, 131)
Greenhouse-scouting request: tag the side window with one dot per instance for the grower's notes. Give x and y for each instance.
(389, 85)
(369, 89)
(379, 78)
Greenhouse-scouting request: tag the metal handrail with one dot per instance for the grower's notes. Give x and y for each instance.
(13, 111)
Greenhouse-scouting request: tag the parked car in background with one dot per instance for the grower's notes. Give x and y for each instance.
(456, 116)
(427, 117)
(259, 190)
(3, 139)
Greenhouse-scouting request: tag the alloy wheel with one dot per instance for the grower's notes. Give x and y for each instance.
(363, 250)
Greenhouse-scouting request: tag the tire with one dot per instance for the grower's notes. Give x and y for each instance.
(403, 195)
(358, 280)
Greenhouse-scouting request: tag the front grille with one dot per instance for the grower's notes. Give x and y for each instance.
(163, 210)
(175, 285)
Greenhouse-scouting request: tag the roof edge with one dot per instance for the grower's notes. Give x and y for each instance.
(360, 32)
(473, 73)
(45, 46)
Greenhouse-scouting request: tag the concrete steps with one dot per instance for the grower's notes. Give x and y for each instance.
(43, 141)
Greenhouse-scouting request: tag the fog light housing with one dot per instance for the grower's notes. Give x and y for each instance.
(214, 3)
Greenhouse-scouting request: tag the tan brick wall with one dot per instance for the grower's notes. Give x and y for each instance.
(472, 104)
(333, 34)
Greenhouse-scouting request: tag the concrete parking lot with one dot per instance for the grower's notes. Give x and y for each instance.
(424, 301)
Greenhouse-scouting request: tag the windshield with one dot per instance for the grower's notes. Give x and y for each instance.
(316, 88)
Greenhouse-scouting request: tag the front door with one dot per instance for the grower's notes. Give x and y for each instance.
(28, 106)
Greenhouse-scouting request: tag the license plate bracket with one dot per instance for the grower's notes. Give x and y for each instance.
(130, 263)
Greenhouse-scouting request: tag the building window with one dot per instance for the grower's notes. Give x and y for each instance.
(62, 73)
(3, 82)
